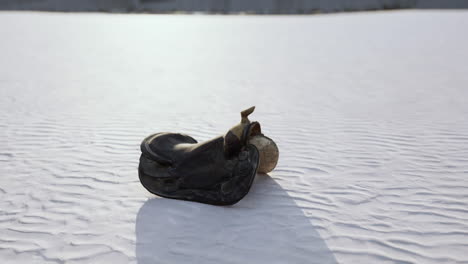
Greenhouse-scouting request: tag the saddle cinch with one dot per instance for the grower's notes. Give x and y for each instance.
(219, 171)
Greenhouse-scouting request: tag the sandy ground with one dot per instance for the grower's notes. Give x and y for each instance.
(369, 110)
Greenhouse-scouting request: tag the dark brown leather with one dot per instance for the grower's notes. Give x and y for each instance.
(219, 171)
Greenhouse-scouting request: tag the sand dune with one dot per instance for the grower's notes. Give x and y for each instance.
(369, 111)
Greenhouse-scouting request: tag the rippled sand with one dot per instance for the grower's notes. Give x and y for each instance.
(369, 110)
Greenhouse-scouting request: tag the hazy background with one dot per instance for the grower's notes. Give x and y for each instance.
(227, 6)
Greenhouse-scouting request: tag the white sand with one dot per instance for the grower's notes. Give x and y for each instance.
(369, 110)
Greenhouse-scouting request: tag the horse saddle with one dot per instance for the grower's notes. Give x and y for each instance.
(219, 171)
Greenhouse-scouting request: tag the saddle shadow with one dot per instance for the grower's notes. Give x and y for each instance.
(265, 227)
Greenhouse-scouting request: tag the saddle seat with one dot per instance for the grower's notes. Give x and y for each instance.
(168, 148)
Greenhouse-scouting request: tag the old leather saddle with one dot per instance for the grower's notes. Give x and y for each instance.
(219, 171)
